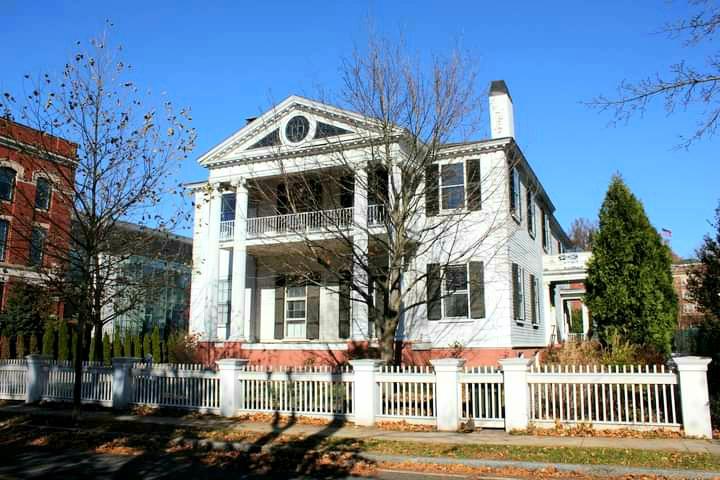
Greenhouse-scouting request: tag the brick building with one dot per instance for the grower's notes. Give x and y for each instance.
(37, 172)
(689, 313)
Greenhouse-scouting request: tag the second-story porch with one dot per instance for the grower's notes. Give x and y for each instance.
(564, 286)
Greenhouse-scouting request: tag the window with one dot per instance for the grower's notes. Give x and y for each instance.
(545, 231)
(295, 311)
(530, 214)
(452, 186)
(535, 299)
(4, 227)
(515, 207)
(227, 207)
(455, 292)
(297, 129)
(42, 194)
(518, 290)
(7, 183)
(37, 246)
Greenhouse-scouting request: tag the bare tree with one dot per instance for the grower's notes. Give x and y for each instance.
(409, 115)
(130, 147)
(581, 233)
(684, 85)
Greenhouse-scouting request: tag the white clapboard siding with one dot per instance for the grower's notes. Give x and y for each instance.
(482, 397)
(407, 393)
(291, 392)
(616, 395)
(172, 387)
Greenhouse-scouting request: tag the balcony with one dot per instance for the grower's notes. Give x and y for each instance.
(302, 223)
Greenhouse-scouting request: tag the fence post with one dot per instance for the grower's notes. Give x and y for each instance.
(122, 387)
(37, 373)
(366, 401)
(517, 398)
(694, 397)
(231, 393)
(447, 391)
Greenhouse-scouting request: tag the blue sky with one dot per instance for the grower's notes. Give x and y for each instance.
(230, 60)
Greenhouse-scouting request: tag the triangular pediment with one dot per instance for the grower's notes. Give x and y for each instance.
(294, 125)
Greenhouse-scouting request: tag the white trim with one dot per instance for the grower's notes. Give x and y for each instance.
(287, 345)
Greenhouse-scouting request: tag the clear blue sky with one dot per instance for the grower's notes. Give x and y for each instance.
(229, 60)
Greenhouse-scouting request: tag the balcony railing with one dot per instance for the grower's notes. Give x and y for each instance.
(300, 223)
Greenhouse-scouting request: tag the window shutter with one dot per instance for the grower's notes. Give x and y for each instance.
(513, 207)
(533, 300)
(474, 197)
(312, 330)
(434, 305)
(516, 290)
(280, 308)
(432, 191)
(344, 310)
(477, 290)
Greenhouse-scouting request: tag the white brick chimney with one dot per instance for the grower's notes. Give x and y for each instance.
(502, 121)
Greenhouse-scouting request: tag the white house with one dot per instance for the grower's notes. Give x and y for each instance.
(499, 302)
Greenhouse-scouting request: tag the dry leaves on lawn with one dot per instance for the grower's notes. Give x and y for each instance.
(118, 446)
(404, 426)
(587, 430)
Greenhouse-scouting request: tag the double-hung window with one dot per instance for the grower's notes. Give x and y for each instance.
(518, 290)
(455, 292)
(7, 183)
(4, 228)
(545, 232)
(42, 194)
(37, 246)
(531, 214)
(452, 186)
(515, 199)
(295, 311)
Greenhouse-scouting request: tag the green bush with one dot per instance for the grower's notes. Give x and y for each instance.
(63, 341)
(147, 345)
(20, 346)
(49, 340)
(137, 346)
(34, 348)
(156, 345)
(107, 349)
(117, 344)
(4, 347)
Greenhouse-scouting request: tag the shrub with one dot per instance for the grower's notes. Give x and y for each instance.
(107, 349)
(591, 352)
(63, 342)
(146, 345)
(182, 348)
(20, 346)
(117, 344)
(137, 346)
(49, 340)
(34, 348)
(156, 347)
(4, 347)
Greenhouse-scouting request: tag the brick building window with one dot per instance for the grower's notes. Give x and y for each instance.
(7, 183)
(4, 228)
(37, 246)
(42, 194)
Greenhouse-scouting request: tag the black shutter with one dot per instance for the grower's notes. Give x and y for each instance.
(312, 329)
(516, 290)
(474, 197)
(477, 290)
(434, 305)
(344, 310)
(280, 308)
(513, 207)
(533, 300)
(432, 191)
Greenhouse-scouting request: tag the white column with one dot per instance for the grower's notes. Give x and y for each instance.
(447, 389)
(122, 392)
(517, 398)
(37, 371)
(231, 391)
(694, 397)
(200, 285)
(359, 307)
(365, 390)
(213, 256)
(239, 327)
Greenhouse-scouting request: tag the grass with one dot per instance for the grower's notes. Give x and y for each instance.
(97, 433)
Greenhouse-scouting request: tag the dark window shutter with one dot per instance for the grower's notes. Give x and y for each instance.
(533, 300)
(432, 191)
(477, 290)
(312, 329)
(474, 196)
(344, 310)
(513, 207)
(434, 305)
(280, 308)
(516, 290)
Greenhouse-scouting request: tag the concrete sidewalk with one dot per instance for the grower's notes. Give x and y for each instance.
(488, 437)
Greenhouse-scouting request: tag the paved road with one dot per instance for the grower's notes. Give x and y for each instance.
(42, 463)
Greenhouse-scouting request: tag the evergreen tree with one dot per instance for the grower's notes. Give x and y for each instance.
(117, 344)
(27, 309)
(128, 344)
(107, 349)
(147, 348)
(137, 346)
(170, 345)
(63, 342)
(34, 344)
(91, 353)
(20, 346)
(4, 347)
(49, 340)
(629, 284)
(156, 346)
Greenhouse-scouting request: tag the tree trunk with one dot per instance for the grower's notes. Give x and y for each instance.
(78, 361)
(389, 351)
(97, 333)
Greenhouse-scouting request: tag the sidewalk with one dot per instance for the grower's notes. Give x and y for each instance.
(488, 437)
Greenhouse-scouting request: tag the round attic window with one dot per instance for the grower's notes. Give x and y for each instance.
(297, 129)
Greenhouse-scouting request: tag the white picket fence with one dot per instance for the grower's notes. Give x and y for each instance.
(514, 396)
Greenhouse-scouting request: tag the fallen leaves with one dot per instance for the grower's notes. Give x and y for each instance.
(119, 446)
(403, 426)
(587, 430)
(283, 420)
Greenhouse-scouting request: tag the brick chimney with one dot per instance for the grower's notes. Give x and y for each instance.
(502, 122)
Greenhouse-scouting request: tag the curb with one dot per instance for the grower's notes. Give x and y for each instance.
(597, 470)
